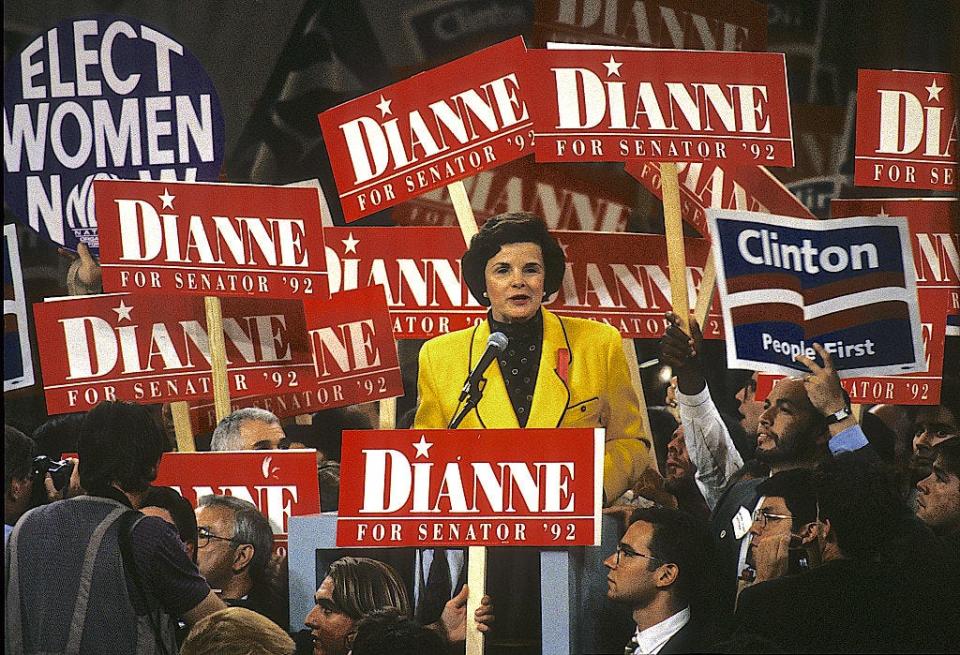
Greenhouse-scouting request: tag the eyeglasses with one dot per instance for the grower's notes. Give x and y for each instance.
(623, 550)
(762, 516)
(204, 536)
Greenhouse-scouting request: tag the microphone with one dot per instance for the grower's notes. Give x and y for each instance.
(496, 344)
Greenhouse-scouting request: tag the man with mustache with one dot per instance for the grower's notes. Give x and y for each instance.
(804, 420)
(680, 479)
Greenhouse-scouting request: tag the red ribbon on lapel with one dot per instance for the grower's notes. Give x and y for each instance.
(563, 363)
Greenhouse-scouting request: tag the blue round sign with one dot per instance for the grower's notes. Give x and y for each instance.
(102, 97)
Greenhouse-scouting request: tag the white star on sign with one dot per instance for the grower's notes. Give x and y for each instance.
(423, 448)
(613, 66)
(384, 106)
(934, 91)
(166, 199)
(882, 212)
(563, 247)
(123, 312)
(350, 244)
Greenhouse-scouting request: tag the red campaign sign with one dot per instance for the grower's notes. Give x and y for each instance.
(709, 185)
(681, 24)
(354, 352)
(620, 279)
(203, 415)
(429, 130)
(426, 488)
(281, 483)
(660, 105)
(592, 197)
(906, 130)
(153, 349)
(210, 239)
(935, 247)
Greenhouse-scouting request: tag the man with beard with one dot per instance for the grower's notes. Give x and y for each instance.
(804, 420)
(680, 480)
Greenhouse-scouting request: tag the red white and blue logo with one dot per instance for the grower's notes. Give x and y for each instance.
(847, 284)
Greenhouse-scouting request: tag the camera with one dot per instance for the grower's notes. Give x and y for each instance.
(59, 470)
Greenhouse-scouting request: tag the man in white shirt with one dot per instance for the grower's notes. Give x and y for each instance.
(661, 569)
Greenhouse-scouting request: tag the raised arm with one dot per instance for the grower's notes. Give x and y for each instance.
(709, 444)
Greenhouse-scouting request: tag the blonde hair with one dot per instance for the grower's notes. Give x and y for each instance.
(237, 631)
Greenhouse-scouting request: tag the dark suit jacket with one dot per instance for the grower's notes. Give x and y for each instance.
(847, 606)
(742, 494)
(687, 640)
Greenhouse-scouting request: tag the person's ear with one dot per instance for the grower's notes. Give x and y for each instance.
(809, 533)
(242, 557)
(667, 574)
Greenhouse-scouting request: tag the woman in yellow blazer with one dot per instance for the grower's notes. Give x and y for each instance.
(554, 372)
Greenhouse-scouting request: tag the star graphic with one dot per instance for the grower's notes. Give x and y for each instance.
(123, 312)
(166, 199)
(384, 106)
(563, 247)
(613, 66)
(882, 212)
(350, 244)
(423, 448)
(934, 91)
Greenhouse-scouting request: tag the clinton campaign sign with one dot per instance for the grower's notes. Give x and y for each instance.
(846, 283)
(103, 97)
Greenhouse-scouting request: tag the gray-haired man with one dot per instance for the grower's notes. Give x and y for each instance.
(249, 428)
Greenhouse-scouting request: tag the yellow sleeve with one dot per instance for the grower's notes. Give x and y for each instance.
(429, 412)
(627, 452)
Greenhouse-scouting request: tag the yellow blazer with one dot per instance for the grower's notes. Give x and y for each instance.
(597, 392)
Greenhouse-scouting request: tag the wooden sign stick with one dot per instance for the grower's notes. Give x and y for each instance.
(476, 555)
(218, 357)
(676, 257)
(705, 294)
(181, 426)
(388, 413)
(630, 350)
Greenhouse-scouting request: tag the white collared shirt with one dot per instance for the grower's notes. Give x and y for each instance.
(651, 640)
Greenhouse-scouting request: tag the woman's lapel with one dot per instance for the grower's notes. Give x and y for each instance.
(551, 396)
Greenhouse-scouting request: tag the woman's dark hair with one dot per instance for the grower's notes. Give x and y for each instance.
(513, 227)
(119, 442)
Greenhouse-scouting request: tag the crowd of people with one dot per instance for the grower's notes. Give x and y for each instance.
(794, 526)
(815, 543)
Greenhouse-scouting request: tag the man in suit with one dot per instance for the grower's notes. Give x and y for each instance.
(661, 569)
(805, 420)
(853, 601)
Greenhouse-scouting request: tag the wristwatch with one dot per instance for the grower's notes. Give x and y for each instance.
(839, 415)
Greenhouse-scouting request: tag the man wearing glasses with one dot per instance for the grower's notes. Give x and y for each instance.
(234, 546)
(661, 570)
(783, 528)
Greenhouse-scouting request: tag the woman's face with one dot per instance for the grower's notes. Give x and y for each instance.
(514, 278)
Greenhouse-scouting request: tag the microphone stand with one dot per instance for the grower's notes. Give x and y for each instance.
(474, 394)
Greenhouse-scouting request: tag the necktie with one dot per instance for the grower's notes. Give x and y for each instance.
(436, 593)
(632, 645)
